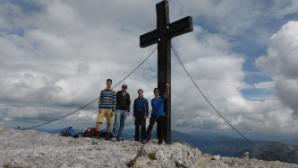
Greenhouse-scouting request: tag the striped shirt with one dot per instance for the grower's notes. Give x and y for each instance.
(107, 99)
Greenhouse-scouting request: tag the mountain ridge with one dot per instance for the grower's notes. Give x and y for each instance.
(38, 149)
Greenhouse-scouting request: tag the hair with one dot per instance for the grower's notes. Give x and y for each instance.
(155, 89)
(124, 85)
(140, 90)
(109, 80)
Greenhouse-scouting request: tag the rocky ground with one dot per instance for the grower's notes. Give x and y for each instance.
(36, 149)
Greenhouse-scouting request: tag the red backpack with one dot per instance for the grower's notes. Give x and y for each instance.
(90, 132)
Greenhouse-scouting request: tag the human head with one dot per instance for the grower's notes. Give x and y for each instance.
(109, 83)
(124, 87)
(140, 92)
(156, 92)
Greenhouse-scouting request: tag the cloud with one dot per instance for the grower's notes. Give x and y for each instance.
(58, 57)
(61, 59)
(281, 63)
(283, 8)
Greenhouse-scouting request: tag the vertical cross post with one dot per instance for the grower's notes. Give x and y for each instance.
(162, 35)
(164, 64)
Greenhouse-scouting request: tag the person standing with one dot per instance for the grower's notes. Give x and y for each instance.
(158, 114)
(140, 113)
(122, 111)
(106, 108)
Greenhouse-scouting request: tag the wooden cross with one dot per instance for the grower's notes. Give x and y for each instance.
(162, 35)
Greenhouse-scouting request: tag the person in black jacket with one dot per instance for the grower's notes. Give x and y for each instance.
(122, 111)
(140, 113)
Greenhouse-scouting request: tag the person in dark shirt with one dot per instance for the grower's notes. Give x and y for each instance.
(140, 113)
(158, 114)
(122, 111)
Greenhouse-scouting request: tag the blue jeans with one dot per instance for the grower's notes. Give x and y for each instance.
(119, 123)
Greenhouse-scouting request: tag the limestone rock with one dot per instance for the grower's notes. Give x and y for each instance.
(36, 149)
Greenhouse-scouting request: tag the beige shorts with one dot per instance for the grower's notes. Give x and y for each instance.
(108, 113)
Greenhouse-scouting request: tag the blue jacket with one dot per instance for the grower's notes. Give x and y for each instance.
(140, 107)
(157, 104)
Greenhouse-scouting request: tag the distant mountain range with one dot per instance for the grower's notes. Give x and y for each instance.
(234, 147)
(276, 151)
(217, 144)
(213, 144)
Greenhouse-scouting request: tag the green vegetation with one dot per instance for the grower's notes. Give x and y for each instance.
(152, 156)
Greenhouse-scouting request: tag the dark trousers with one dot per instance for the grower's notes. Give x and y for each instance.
(160, 127)
(140, 121)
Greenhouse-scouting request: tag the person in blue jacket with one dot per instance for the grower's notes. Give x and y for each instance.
(158, 114)
(140, 113)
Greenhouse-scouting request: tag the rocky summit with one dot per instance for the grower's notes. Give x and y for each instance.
(22, 149)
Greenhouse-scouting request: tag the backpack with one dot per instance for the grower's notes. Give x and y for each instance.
(89, 132)
(69, 132)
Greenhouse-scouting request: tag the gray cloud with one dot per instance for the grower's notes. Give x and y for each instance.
(59, 57)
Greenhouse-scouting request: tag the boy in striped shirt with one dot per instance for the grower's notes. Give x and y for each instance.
(106, 106)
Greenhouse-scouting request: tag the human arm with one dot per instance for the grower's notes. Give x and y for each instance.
(99, 101)
(167, 91)
(128, 102)
(114, 101)
(147, 108)
(152, 107)
(134, 107)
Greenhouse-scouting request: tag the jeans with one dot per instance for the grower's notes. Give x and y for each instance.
(119, 123)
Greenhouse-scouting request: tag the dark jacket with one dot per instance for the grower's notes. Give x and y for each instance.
(140, 107)
(123, 101)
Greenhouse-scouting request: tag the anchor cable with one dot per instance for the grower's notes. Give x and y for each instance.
(207, 100)
(86, 105)
(212, 106)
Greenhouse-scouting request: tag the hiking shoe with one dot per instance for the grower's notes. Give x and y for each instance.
(107, 136)
(120, 139)
(96, 135)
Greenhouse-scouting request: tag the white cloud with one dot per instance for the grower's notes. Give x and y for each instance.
(281, 63)
(62, 57)
(65, 51)
(264, 85)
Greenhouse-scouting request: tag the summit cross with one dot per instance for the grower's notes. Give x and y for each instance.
(162, 35)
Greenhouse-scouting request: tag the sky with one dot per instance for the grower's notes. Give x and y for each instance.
(56, 55)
